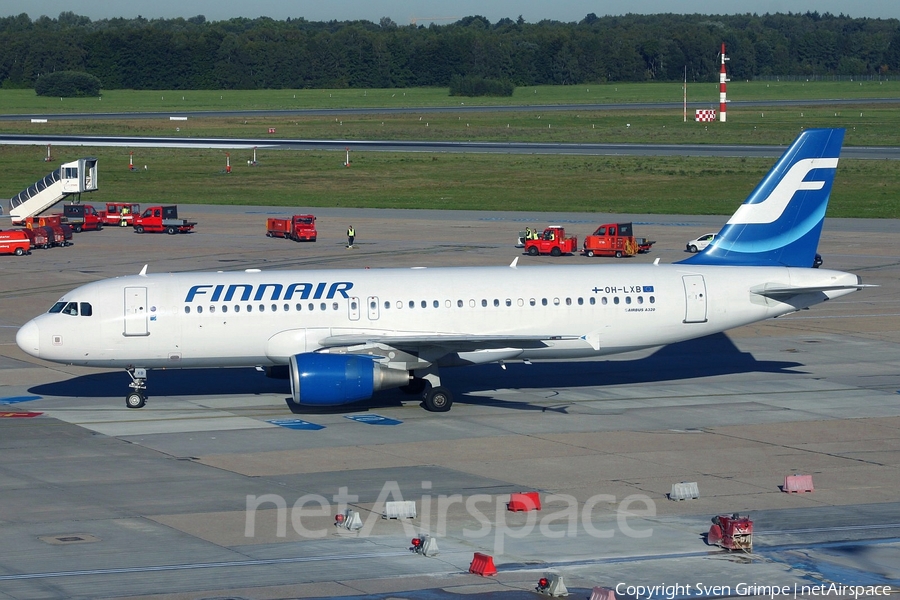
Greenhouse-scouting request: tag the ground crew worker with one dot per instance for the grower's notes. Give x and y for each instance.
(122, 220)
(351, 233)
(527, 233)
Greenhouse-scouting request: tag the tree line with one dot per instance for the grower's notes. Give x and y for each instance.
(264, 53)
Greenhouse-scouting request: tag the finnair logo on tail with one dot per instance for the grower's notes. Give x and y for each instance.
(770, 209)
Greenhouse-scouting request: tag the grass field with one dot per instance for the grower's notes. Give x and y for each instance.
(678, 185)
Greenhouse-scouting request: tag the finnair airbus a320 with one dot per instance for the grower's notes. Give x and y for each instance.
(341, 335)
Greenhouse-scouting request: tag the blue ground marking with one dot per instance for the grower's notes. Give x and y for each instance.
(372, 419)
(296, 424)
(18, 399)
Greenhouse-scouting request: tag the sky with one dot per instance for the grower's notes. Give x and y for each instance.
(404, 11)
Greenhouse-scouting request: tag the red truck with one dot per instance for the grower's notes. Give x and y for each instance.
(158, 219)
(83, 217)
(552, 241)
(611, 239)
(300, 228)
(38, 237)
(14, 241)
(121, 213)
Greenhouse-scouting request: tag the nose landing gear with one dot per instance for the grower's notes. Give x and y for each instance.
(138, 397)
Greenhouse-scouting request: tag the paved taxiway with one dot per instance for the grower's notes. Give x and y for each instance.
(100, 501)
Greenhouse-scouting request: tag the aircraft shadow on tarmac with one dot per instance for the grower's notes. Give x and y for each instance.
(705, 357)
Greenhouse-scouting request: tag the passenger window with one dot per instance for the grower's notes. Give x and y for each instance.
(399, 304)
(483, 303)
(532, 301)
(322, 306)
(543, 302)
(300, 307)
(616, 300)
(86, 309)
(274, 308)
(334, 306)
(521, 302)
(496, 303)
(604, 301)
(472, 303)
(580, 301)
(311, 306)
(387, 303)
(412, 303)
(212, 309)
(436, 304)
(593, 301)
(652, 300)
(568, 302)
(640, 299)
(459, 303)
(249, 308)
(424, 304)
(199, 309)
(627, 299)
(262, 308)
(224, 308)
(237, 308)
(187, 310)
(508, 302)
(556, 302)
(287, 307)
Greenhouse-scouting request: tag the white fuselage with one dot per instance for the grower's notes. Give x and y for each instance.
(264, 317)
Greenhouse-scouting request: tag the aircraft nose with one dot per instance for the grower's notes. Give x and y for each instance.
(29, 338)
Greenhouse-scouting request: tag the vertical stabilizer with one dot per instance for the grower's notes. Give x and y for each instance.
(780, 222)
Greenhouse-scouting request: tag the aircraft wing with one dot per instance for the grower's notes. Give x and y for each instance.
(452, 343)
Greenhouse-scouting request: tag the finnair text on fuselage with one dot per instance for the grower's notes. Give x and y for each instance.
(275, 291)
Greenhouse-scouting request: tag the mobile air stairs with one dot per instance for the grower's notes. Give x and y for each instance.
(70, 179)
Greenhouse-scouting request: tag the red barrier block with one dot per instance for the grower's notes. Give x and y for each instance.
(795, 484)
(524, 502)
(483, 564)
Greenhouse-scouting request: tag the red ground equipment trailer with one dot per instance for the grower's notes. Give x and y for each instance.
(121, 213)
(58, 233)
(300, 228)
(611, 239)
(552, 241)
(644, 245)
(158, 219)
(14, 241)
(83, 217)
(732, 532)
(38, 237)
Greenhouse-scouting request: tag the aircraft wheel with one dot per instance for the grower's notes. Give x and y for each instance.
(438, 399)
(555, 251)
(135, 400)
(533, 251)
(139, 229)
(416, 385)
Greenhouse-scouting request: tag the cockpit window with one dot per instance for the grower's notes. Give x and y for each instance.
(71, 309)
(86, 309)
(57, 307)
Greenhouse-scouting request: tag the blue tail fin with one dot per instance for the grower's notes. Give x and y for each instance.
(780, 222)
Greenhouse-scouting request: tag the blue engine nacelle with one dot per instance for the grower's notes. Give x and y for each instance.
(333, 379)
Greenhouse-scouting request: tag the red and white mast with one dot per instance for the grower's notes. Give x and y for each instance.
(722, 81)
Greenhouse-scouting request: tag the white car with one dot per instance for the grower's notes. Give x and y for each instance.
(701, 242)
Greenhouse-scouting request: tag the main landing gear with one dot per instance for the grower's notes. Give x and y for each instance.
(434, 397)
(138, 397)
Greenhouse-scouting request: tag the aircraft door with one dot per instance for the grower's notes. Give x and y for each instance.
(136, 311)
(372, 303)
(694, 299)
(353, 308)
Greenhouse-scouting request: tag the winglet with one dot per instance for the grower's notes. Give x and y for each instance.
(143, 272)
(514, 263)
(780, 221)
